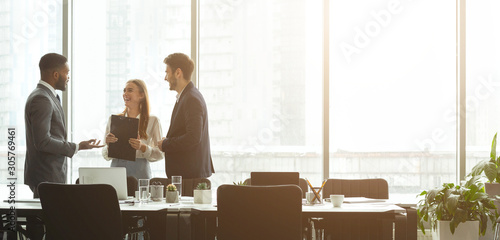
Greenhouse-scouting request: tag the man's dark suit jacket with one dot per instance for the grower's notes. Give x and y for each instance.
(46, 145)
(187, 147)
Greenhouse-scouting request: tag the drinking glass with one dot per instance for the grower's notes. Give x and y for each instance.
(317, 193)
(309, 198)
(143, 190)
(177, 181)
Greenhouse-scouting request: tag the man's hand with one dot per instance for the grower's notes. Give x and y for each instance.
(89, 144)
(160, 144)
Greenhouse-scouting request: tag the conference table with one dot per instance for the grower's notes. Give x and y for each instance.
(186, 220)
(204, 217)
(165, 219)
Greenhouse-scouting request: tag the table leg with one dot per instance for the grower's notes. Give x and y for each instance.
(198, 229)
(411, 224)
(400, 227)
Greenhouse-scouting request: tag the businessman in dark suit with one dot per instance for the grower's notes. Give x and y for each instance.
(46, 141)
(187, 145)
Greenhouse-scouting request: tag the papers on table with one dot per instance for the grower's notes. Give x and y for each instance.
(362, 200)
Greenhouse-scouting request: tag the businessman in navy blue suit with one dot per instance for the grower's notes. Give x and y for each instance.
(187, 145)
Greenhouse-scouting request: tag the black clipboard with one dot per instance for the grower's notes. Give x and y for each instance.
(123, 128)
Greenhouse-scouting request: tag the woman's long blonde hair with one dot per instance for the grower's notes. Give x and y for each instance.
(143, 108)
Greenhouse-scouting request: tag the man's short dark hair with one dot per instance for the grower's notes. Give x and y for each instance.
(51, 61)
(182, 61)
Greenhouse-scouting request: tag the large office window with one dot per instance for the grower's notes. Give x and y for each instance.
(482, 72)
(393, 92)
(261, 74)
(113, 43)
(28, 30)
(392, 77)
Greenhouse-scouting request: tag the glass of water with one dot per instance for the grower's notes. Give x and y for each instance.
(143, 190)
(177, 181)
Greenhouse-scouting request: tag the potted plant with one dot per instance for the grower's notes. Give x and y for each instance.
(491, 169)
(202, 194)
(240, 183)
(451, 209)
(156, 191)
(171, 195)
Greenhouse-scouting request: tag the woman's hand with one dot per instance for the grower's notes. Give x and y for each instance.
(136, 144)
(110, 138)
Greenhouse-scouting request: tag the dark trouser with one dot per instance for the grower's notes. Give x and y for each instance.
(34, 225)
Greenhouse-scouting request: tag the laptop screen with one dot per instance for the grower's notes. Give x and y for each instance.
(274, 178)
(114, 176)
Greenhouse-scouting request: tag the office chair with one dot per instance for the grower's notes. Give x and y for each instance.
(19, 232)
(80, 211)
(345, 229)
(135, 225)
(259, 212)
(188, 184)
(302, 184)
(370, 188)
(278, 178)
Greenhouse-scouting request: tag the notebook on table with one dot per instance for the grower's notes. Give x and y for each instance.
(114, 176)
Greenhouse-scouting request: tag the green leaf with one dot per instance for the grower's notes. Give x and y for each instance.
(483, 223)
(478, 169)
(460, 215)
(493, 153)
(453, 225)
(452, 203)
(498, 175)
(431, 195)
(490, 170)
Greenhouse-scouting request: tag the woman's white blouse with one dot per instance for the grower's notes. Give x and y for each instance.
(152, 153)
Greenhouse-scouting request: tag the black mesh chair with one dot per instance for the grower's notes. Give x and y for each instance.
(259, 212)
(80, 211)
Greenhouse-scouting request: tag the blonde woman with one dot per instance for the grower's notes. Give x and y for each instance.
(135, 96)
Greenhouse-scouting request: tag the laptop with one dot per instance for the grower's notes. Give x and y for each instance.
(274, 178)
(114, 176)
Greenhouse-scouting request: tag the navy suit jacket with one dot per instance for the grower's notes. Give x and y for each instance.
(46, 144)
(187, 146)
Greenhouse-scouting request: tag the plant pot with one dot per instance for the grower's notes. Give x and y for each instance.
(492, 189)
(172, 197)
(465, 231)
(156, 192)
(202, 196)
